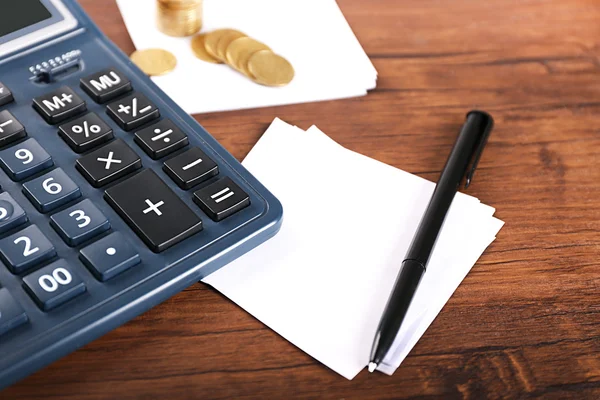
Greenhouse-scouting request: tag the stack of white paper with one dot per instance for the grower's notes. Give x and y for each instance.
(312, 34)
(323, 281)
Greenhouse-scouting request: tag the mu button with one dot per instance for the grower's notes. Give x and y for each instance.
(59, 105)
(153, 210)
(105, 85)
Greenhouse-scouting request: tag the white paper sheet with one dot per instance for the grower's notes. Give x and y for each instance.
(323, 281)
(312, 34)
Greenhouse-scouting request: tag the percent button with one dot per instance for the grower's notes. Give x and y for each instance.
(85, 133)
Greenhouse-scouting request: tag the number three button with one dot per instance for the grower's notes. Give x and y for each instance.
(79, 223)
(54, 285)
(51, 190)
(25, 249)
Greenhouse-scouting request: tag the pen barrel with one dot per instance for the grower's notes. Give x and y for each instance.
(396, 308)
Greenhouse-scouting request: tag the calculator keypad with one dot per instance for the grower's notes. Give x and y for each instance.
(11, 213)
(24, 160)
(161, 139)
(191, 168)
(54, 285)
(25, 249)
(85, 133)
(221, 199)
(51, 190)
(79, 223)
(59, 105)
(133, 111)
(12, 314)
(6, 95)
(10, 129)
(108, 163)
(153, 210)
(109, 256)
(105, 85)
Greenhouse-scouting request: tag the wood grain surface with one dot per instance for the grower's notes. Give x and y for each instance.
(526, 321)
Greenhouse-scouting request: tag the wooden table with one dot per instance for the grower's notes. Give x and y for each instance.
(526, 321)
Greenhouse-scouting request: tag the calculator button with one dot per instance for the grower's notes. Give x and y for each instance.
(51, 190)
(105, 85)
(54, 285)
(133, 111)
(109, 256)
(11, 313)
(85, 133)
(191, 168)
(25, 249)
(25, 159)
(161, 139)
(6, 95)
(108, 163)
(10, 129)
(79, 223)
(11, 213)
(153, 210)
(221, 199)
(61, 104)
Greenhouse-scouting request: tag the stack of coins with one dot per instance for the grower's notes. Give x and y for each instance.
(252, 58)
(179, 17)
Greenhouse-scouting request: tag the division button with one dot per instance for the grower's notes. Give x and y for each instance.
(51, 190)
(11, 213)
(105, 85)
(159, 217)
(108, 163)
(6, 95)
(10, 128)
(53, 285)
(79, 223)
(161, 139)
(24, 160)
(25, 249)
(191, 168)
(221, 199)
(61, 104)
(133, 111)
(85, 132)
(109, 256)
(12, 314)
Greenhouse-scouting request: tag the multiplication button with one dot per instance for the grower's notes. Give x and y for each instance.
(10, 129)
(133, 111)
(54, 285)
(191, 168)
(221, 199)
(108, 163)
(85, 133)
(61, 104)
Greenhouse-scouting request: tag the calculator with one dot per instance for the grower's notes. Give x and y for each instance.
(113, 198)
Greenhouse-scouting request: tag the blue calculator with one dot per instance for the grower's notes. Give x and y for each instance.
(113, 198)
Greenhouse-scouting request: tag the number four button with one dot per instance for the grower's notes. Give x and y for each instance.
(25, 249)
(79, 223)
(54, 285)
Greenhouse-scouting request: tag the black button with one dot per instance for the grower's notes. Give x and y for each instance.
(161, 139)
(54, 285)
(85, 133)
(11, 313)
(6, 95)
(105, 85)
(108, 163)
(153, 210)
(10, 128)
(133, 111)
(221, 199)
(59, 105)
(191, 168)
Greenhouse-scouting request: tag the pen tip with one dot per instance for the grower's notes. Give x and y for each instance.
(372, 366)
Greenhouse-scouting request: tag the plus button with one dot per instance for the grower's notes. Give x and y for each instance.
(154, 207)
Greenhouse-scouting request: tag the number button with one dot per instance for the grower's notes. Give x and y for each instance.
(10, 129)
(54, 285)
(51, 190)
(79, 223)
(11, 213)
(108, 163)
(191, 168)
(221, 199)
(133, 111)
(85, 133)
(109, 256)
(59, 105)
(25, 249)
(161, 139)
(24, 160)
(6, 95)
(105, 85)
(11, 313)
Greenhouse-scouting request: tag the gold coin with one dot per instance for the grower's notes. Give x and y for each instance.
(225, 41)
(270, 69)
(179, 17)
(240, 50)
(154, 62)
(212, 40)
(199, 48)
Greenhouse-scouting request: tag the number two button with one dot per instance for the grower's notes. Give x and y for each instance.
(25, 249)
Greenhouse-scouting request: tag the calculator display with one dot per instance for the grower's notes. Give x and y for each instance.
(20, 14)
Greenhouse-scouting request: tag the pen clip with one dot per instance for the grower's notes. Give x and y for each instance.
(484, 123)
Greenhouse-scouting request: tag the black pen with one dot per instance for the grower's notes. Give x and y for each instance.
(466, 151)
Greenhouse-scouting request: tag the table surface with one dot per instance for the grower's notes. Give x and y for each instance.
(524, 323)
